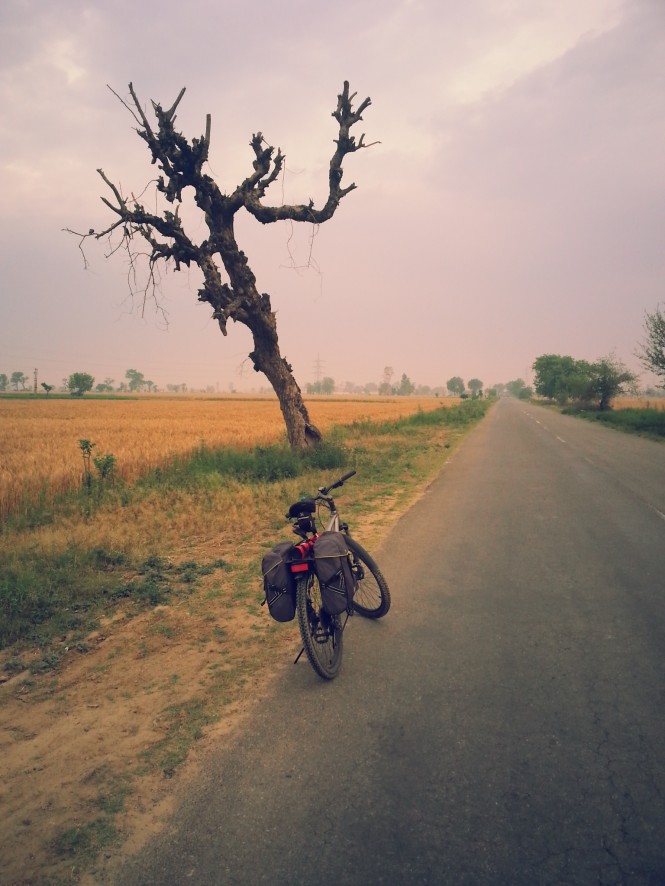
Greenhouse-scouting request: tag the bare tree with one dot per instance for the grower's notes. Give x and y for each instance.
(229, 286)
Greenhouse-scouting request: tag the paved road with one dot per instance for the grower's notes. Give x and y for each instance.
(505, 724)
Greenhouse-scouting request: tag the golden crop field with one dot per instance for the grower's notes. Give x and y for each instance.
(40, 455)
(639, 403)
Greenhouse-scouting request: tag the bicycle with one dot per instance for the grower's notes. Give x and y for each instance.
(322, 633)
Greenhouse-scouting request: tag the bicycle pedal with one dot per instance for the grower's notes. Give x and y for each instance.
(321, 635)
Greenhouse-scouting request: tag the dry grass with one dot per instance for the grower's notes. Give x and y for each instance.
(40, 438)
(639, 403)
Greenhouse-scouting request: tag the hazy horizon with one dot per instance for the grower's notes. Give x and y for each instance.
(514, 205)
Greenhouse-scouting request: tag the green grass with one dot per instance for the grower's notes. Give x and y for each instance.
(262, 464)
(647, 422)
(42, 597)
(88, 839)
(184, 724)
(465, 414)
(113, 790)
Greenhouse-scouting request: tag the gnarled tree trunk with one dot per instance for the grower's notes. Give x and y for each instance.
(267, 359)
(255, 311)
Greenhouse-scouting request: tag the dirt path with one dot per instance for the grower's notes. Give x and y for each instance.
(73, 743)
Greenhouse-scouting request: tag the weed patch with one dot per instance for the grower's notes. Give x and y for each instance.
(88, 839)
(647, 422)
(263, 464)
(56, 594)
(183, 724)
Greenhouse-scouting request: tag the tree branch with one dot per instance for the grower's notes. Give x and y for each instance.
(252, 190)
(170, 114)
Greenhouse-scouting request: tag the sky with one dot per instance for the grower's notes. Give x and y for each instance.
(514, 206)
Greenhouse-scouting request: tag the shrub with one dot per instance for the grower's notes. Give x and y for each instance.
(641, 421)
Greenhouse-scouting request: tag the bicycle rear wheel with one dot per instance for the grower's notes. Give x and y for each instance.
(372, 598)
(321, 633)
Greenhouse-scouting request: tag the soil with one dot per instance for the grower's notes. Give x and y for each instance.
(91, 751)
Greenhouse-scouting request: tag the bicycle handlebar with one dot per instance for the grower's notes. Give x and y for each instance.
(324, 490)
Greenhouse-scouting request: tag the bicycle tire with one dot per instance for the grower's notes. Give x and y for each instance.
(372, 597)
(321, 633)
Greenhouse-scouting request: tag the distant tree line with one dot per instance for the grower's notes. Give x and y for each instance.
(515, 388)
(404, 388)
(79, 383)
(563, 379)
(325, 386)
(17, 379)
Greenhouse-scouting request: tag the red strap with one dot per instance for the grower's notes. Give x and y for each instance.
(299, 567)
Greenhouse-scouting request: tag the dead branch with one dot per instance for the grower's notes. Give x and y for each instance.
(253, 189)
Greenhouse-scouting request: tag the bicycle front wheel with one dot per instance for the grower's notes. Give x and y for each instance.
(321, 633)
(372, 598)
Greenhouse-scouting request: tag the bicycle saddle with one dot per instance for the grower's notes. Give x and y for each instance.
(302, 508)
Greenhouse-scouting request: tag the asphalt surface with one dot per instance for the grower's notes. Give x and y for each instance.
(504, 724)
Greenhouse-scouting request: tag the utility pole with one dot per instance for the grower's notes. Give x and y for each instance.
(318, 366)
(34, 388)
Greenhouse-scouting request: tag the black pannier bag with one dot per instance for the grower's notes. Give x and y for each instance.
(279, 583)
(333, 569)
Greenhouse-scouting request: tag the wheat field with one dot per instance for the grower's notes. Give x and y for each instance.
(639, 403)
(40, 456)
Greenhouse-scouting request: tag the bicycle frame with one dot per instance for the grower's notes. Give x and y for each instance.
(305, 563)
(306, 546)
(305, 523)
(333, 522)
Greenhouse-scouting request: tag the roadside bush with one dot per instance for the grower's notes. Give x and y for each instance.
(261, 464)
(650, 422)
(467, 412)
